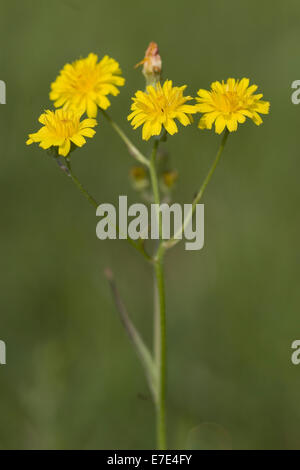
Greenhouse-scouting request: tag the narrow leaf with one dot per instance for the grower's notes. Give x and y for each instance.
(134, 336)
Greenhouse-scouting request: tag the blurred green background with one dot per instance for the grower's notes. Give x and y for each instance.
(72, 379)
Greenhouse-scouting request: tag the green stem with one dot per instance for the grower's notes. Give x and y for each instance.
(83, 191)
(154, 182)
(160, 329)
(161, 404)
(156, 320)
(134, 336)
(178, 235)
(133, 150)
(95, 204)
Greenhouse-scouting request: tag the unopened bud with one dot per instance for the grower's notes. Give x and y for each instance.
(152, 65)
(139, 178)
(169, 179)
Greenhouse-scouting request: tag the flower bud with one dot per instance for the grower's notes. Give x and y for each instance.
(152, 65)
(169, 179)
(139, 178)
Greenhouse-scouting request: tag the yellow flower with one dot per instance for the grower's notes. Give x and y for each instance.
(60, 128)
(228, 104)
(159, 107)
(85, 84)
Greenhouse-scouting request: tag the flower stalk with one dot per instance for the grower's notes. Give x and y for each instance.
(69, 172)
(132, 149)
(175, 239)
(81, 188)
(160, 322)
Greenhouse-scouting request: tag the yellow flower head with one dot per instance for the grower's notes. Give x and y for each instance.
(60, 128)
(85, 84)
(159, 107)
(228, 104)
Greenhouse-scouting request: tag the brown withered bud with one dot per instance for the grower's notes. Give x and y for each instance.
(152, 65)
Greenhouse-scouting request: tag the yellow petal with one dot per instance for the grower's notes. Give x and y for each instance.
(88, 132)
(103, 103)
(88, 123)
(45, 144)
(202, 123)
(257, 119)
(204, 94)
(91, 109)
(220, 124)
(146, 134)
(232, 125)
(183, 119)
(78, 140)
(64, 149)
(243, 85)
(156, 128)
(170, 126)
(210, 118)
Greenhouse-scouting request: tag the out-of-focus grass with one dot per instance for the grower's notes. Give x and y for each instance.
(71, 379)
